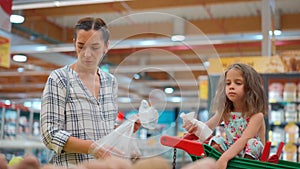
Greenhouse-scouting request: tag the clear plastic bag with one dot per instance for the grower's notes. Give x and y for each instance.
(122, 142)
(148, 115)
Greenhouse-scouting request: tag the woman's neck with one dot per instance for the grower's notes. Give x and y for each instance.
(76, 67)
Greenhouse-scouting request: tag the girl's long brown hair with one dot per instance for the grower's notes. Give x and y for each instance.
(255, 99)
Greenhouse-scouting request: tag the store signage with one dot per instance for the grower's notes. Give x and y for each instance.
(203, 87)
(262, 64)
(5, 12)
(4, 52)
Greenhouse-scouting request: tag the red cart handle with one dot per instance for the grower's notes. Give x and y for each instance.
(191, 147)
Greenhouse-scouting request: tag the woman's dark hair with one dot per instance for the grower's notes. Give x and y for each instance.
(89, 23)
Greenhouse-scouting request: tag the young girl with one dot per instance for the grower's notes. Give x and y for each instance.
(240, 103)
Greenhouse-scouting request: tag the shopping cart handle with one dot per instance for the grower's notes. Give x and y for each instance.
(191, 147)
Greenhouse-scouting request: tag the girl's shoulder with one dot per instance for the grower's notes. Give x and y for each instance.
(257, 116)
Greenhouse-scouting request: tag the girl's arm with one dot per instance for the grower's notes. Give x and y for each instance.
(251, 131)
(214, 121)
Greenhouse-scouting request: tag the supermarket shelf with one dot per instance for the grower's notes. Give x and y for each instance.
(21, 144)
(282, 124)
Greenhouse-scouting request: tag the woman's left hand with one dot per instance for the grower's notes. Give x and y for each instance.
(137, 125)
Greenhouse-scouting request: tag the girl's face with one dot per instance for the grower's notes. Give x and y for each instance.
(90, 47)
(234, 85)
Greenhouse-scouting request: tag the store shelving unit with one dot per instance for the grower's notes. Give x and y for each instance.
(18, 134)
(278, 116)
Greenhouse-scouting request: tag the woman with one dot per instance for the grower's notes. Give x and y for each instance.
(79, 102)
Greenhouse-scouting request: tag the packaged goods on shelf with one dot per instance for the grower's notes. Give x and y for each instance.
(275, 92)
(290, 92)
(298, 92)
(10, 124)
(277, 134)
(290, 152)
(277, 116)
(292, 133)
(291, 114)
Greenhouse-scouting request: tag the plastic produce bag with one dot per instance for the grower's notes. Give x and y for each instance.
(203, 131)
(147, 115)
(122, 142)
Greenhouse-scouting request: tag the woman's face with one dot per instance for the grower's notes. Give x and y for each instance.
(235, 85)
(90, 47)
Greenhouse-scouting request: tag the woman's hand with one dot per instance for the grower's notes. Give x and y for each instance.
(137, 125)
(104, 151)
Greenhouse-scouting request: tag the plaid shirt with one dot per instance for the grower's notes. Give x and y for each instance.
(83, 116)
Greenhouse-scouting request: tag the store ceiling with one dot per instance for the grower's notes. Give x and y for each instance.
(140, 43)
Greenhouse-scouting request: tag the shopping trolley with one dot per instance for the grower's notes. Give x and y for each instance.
(198, 150)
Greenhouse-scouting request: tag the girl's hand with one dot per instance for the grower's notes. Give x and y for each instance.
(222, 163)
(190, 127)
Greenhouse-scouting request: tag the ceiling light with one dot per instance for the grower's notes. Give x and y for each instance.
(20, 69)
(276, 32)
(16, 18)
(175, 99)
(36, 5)
(136, 76)
(178, 30)
(169, 90)
(19, 58)
(177, 38)
(147, 42)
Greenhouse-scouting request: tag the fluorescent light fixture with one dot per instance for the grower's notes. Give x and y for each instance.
(41, 48)
(175, 99)
(57, 3)
(147, 42)
(19, 58)
(7, 102)
(136, 76)
(178, 38)
(16, 18)
(169, 90)
(27, 104)
(20, 69)
(276, 32)
(36, 105)
(124, 99)
(206, 64)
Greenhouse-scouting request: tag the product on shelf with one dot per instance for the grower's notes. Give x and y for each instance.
(292, 133)
(277, 134)
(36, 124)
(1, 114)
(291, 112)
(275, 92)
(298, 92)
(10, 126)
(298, 110)
(277, 116)
(290, 152)
(290, 92)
